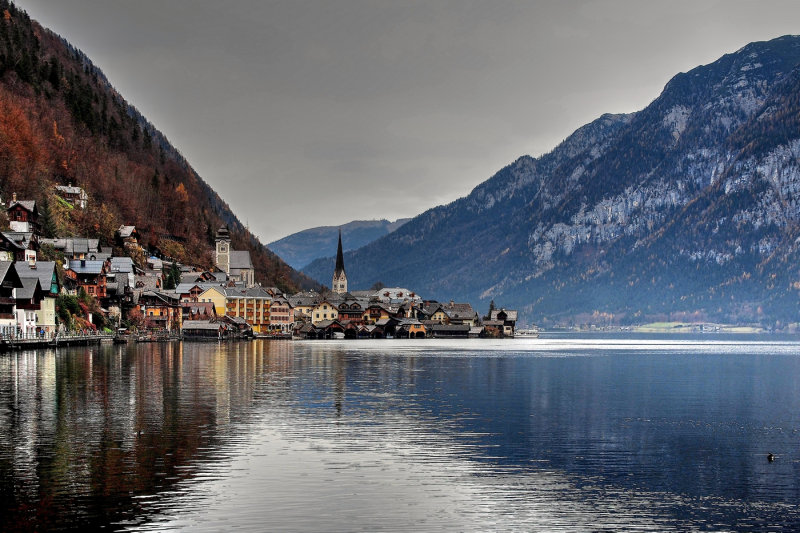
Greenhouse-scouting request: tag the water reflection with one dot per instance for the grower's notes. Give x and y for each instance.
(555, 434)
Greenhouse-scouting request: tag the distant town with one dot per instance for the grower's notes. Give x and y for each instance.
(65, 287)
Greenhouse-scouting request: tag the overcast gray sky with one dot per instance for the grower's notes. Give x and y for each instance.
(307, 113)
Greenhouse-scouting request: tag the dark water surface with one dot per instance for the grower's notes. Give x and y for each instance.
(549, 434)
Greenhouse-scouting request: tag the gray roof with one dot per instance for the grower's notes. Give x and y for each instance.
(240, 259)
(21, 239)
(74, 245)
(28, 289)
(86, 267)
(459, 311)
(126, 231)
(70, 189)
(201, 325)
(511, 314)
(184, 288)
(43, 271)
(30, 205)
(451, 327)
(7, 271)
(123, 265)
(148, 282)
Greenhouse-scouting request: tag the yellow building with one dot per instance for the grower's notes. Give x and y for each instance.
(215, 295)
(252, 304)
(324, 311)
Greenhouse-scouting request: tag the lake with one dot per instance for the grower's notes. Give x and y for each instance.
(569, 433)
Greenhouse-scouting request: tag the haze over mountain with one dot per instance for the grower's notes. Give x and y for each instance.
(685, 209)
(301, 248)
(62, 122)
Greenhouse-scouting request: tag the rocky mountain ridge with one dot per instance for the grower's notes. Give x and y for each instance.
(685, 208)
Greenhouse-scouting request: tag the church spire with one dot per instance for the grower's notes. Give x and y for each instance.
(339, 277)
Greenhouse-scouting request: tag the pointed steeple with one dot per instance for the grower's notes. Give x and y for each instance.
(339, 277)
(339, 256)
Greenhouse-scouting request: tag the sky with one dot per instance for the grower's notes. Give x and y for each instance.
(315, 113)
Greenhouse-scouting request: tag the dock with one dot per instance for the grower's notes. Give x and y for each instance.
(24, 342)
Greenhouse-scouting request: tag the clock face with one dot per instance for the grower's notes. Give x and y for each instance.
(223, 248)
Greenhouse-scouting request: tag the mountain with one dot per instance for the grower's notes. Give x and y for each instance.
(301, 248)
(687, 209)
(62, 123)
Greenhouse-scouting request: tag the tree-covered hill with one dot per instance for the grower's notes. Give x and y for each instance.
(62, 123)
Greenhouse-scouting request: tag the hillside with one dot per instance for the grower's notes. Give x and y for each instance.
(62, 122)
(301, 248)
(687, 209)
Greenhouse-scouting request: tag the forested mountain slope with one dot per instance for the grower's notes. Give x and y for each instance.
(687, 208)
(62, 122)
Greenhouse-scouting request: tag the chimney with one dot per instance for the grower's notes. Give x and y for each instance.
(13, 197)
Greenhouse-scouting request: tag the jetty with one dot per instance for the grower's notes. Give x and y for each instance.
(25, 342)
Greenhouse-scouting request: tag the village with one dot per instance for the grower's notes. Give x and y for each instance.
(52, 288)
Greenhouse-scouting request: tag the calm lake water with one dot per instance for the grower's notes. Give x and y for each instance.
(549, 434)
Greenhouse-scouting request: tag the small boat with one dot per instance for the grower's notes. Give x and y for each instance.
(527, 333)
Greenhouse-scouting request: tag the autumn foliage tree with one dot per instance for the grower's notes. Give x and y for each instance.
(62, 123)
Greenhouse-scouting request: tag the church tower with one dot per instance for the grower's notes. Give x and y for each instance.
(222, 257)
(339, 284)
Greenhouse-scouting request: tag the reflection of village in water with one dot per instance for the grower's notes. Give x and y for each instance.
(85, 426)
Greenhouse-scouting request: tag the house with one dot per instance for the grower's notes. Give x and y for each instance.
(89, 276)
(216, 295)
(352, 310)
(28, 298)
(451, 331)
(207, 329)
(23, 215)
(250, 304)
(303, 303)
(46, 273)
(9, 282)
(508, 318)
(281, 316)
(376, 312)
(396, 295)
(410, 328)
(18, 246)
(434, 312)
(75, 196)
(75, 248)
(325, 310)
(127, 235)
(460, 314)
(193, 311)
(160, 310)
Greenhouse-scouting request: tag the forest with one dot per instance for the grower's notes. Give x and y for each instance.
(63, 123)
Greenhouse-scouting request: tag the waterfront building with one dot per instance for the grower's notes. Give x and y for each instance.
(160, 310)
(281, 316)
(45, 272)
(9, 283)
(250, 304)
(325, 310)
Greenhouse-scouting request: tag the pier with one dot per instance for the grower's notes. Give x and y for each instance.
(24, 342)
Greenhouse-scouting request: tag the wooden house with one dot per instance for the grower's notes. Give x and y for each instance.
(9, 282)
(45, 272)
(23, 215)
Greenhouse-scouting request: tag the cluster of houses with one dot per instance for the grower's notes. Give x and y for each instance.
(219, 303)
